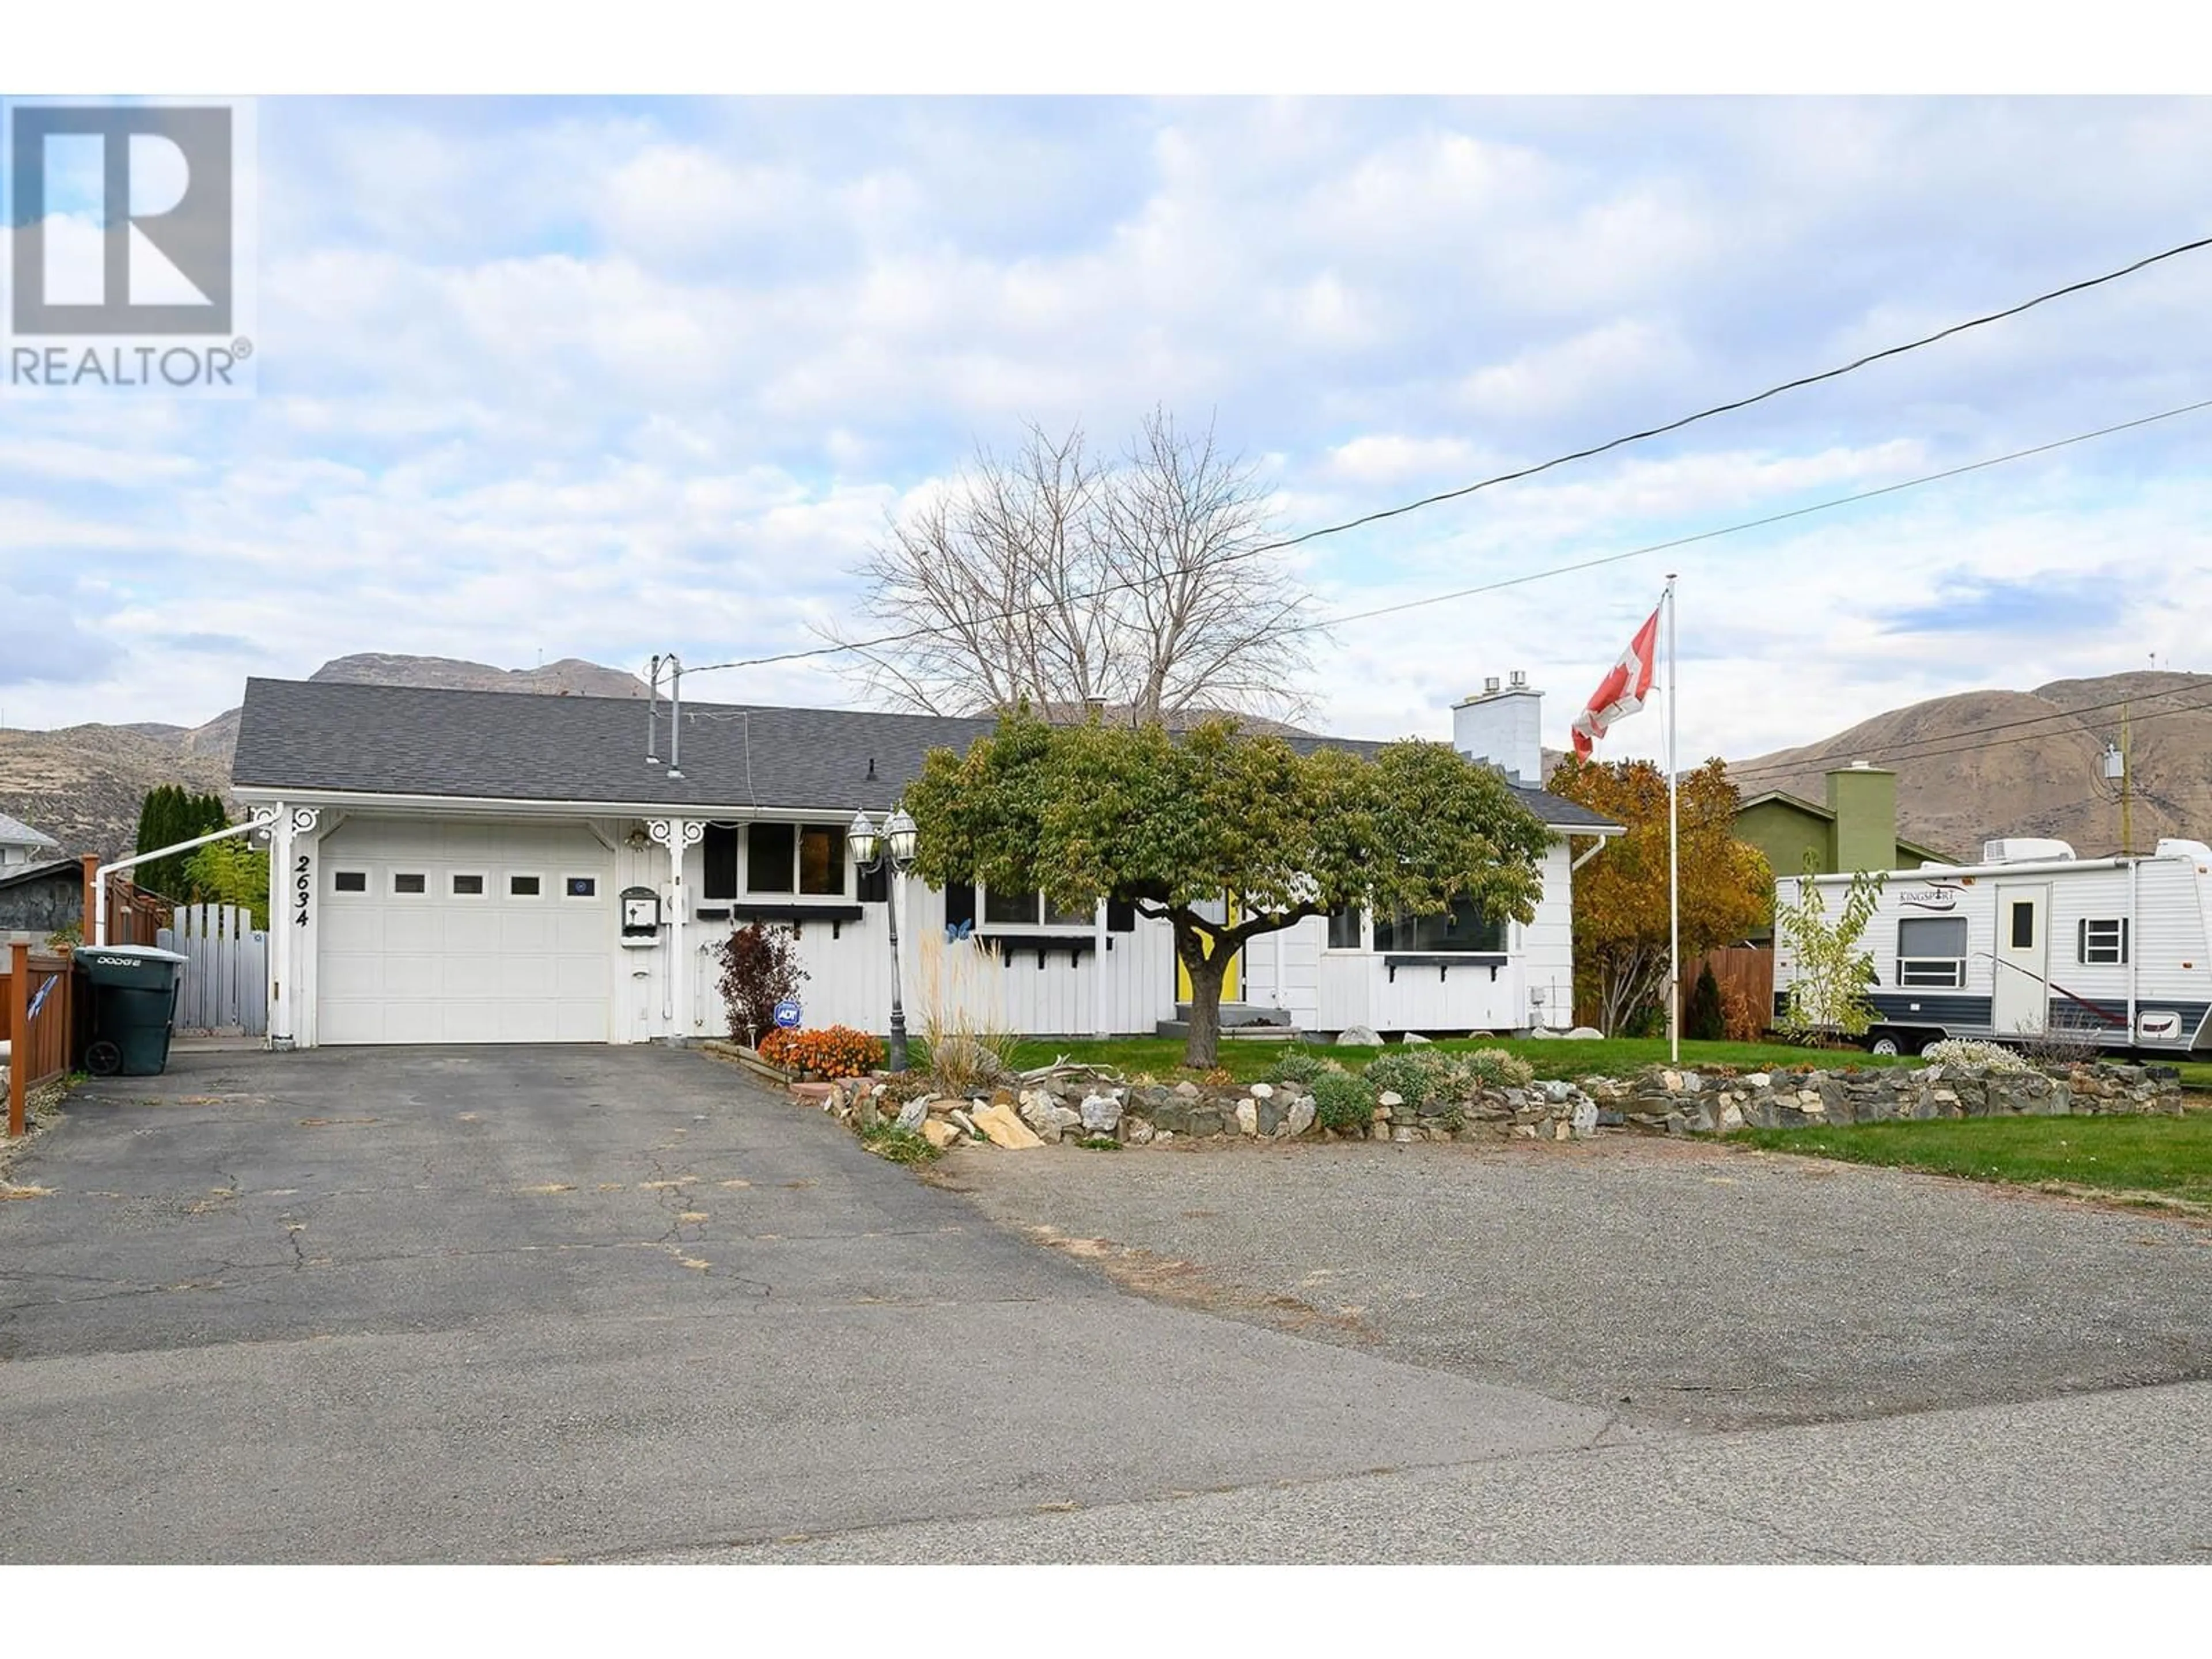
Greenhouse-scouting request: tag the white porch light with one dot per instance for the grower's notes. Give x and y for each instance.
(865, 839)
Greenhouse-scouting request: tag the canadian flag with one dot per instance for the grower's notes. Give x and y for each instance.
(1623, 689)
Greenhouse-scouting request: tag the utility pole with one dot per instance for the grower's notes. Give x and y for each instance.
(2119, 768)
(2127, 790)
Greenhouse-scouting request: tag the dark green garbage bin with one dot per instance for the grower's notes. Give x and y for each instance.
(134, 1003)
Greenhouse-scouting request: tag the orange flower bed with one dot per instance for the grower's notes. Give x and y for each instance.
(834, 1051)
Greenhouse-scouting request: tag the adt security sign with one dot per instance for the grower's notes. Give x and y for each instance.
(787, 1015)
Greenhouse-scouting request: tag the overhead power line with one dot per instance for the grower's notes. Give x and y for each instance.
(1757, 396)
(1967, 739)
(847, 647)
(1748, 523)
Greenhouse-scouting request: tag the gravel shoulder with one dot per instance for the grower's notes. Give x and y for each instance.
(1681, 1286)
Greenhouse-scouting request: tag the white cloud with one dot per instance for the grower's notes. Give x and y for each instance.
(608, 381)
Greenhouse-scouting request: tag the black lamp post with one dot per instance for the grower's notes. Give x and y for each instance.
(890, 848)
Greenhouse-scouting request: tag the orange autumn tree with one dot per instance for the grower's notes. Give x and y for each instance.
(1620, 895)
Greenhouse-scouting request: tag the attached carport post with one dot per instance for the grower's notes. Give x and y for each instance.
(677, 835)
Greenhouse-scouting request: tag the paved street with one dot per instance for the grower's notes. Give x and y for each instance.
(516, 1304)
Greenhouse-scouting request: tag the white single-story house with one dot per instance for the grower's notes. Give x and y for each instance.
(476, 866)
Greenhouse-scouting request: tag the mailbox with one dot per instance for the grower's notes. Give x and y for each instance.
(640, 917)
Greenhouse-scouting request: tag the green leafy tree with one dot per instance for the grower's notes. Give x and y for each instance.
(229, 872)
(1169, 824)
(1830, 972)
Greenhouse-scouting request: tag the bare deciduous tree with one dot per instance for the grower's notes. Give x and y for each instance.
(1059, 577)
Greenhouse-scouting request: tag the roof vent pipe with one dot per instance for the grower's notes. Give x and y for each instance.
(652, 711)
(675, 716)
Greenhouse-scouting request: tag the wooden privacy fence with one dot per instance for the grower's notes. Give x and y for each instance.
(36, 1010)
(135, 916)
(1746, 968)
(225, 968)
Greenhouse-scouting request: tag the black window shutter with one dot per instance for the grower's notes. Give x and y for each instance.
(1120, 916)
(874, 886)
(720, 850)
(959, 903)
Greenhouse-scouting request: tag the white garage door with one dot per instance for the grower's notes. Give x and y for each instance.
(463, 932)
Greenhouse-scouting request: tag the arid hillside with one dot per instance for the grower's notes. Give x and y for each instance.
(1987, 763)
(83, 784)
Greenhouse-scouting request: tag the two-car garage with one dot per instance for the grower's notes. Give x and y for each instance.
(464, 930)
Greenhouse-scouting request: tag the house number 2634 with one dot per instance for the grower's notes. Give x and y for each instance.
(302, 884)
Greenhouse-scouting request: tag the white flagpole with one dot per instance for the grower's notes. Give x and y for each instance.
(1674, 853)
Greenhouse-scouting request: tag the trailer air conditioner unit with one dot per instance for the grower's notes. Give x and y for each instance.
(2173, 846)
(2026, 849)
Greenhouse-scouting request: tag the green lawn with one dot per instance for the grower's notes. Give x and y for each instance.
(1554, 1058)
(2171, 1155)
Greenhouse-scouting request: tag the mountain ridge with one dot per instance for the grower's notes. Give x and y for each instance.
(84, 784)
(1977, 765)
(1971, 766)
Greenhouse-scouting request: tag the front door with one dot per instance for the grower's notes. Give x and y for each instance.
(2020, 1003)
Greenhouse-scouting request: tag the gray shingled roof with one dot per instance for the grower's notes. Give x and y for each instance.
(16, 833)
(504, 745)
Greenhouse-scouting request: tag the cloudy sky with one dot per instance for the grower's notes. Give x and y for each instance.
(544, 378)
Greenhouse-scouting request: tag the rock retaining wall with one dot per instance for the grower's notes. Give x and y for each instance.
(1075, 1108)
(1669, 1100)
(1146, 1113)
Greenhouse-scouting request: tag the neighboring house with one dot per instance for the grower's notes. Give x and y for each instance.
(20, 845)
(1856, 830)
(36, 901)
(463, 866)
(40, 891)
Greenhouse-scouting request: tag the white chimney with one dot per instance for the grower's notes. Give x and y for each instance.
(1505, 728)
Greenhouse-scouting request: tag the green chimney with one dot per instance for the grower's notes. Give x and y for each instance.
(1864, 800)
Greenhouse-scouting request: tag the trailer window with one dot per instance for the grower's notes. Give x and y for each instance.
(2102, 942)
(1931, 952)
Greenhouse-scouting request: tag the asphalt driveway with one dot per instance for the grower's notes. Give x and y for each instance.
(514, 1303)
(517, 1304)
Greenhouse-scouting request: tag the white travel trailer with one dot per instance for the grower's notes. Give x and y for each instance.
(2033, 943)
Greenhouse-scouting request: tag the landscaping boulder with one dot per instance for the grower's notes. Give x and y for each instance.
(1002, 1127)
(1101, 1115)
(1358, 1036)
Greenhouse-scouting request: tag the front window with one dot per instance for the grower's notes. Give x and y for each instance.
(792, 858)
(1344, 929)
(1030, 910)
(1931, 952)
(822, 860)
(1462, 928)
(771, 856)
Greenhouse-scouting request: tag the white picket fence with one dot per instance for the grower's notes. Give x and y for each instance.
(227, 973)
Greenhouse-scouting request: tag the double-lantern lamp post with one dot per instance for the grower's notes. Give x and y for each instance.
(889, 846)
